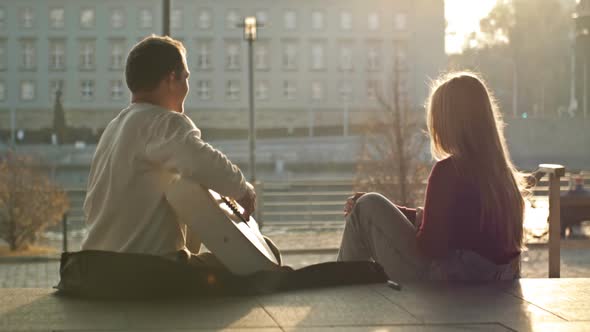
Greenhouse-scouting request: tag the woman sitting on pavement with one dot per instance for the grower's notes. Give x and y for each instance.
(471, 226)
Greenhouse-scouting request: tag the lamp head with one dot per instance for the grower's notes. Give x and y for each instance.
(250, 28)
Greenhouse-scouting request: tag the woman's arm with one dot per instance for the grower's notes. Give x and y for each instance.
(433, 235)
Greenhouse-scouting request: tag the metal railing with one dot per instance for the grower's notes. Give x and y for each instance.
(302, 202)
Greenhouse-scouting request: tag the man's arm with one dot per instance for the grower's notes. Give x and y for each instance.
(175, 144)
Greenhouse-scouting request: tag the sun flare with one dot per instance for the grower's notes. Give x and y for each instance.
(463, 17)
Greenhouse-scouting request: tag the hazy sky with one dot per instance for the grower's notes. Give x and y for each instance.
(463, 17)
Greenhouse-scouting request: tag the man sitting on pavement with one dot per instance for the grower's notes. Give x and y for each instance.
(141, 150)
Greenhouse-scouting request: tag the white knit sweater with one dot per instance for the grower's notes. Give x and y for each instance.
(137, 156)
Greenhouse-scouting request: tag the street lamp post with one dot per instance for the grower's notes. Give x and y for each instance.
(12, 126)
(250, 29)
(582, 49)
(166, 17)
(514, 89)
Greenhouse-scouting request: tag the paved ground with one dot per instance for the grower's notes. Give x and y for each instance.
(526, 305)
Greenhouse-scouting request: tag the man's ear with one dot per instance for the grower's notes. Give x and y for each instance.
(170, 78)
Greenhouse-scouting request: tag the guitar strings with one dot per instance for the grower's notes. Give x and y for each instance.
(233, 208)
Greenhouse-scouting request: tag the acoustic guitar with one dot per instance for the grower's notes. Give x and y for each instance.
(218, 221)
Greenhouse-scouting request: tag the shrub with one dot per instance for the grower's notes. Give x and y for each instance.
(29, 201)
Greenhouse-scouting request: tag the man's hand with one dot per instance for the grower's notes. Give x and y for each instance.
(248, 201)
(351, 201)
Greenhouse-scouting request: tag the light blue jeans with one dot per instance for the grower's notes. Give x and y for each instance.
(377, 230)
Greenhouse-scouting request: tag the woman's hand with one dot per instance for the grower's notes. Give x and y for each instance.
(351, 201)
(419, 216)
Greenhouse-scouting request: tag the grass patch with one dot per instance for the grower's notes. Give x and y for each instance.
(31, 251)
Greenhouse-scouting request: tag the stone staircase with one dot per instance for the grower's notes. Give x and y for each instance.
(297, 203)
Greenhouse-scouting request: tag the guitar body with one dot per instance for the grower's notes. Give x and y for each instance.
(237, 244)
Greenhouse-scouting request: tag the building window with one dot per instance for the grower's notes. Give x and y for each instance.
(345, 91)
(176, 19)
(87, 18)
(317, 56)
(372, 88)
(54, 86)
(2, 91)
(261, 58)
(317, 20)
(146, 18)
(345, 20)
(262, 17)
(346, 57)
(204, 90)
(231, 19)
(117, 18)
(289, 56)
(27, 90)
(232, 57)
(290, 20)
(116, 90)
(203, 55)
(26, 17)
(29, 55)
(261, 90)
(87, 49)
(57, 53)
(373, 58)
(205, 21)
(373, 21)
(57, 18)
(401, 52)
(317, 91)
(289, 90)
(87, 89)
(233, 90)
(117, 54)
(2, 55)
(400, 21)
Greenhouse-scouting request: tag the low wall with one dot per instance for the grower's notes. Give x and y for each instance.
(563, 141)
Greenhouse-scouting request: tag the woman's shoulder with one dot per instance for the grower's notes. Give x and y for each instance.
(446, 166)
(445, 171)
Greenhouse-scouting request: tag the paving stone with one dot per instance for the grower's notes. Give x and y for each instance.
(407, 328)
(214, 313)
(568, 298)
(334, 306)
(41, 309)
(444, 303)
(551, 327)
(258, 329)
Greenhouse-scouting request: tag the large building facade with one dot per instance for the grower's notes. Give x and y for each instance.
(317, 63)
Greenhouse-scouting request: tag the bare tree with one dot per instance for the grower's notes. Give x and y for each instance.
(29, 201)
(391, 160)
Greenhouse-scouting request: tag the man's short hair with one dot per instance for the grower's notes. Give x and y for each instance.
(151, 60)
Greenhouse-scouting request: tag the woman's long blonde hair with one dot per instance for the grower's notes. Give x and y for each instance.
(464, 122)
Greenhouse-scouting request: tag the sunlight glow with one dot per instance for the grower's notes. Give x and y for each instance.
(463, 17)
(535, 219)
